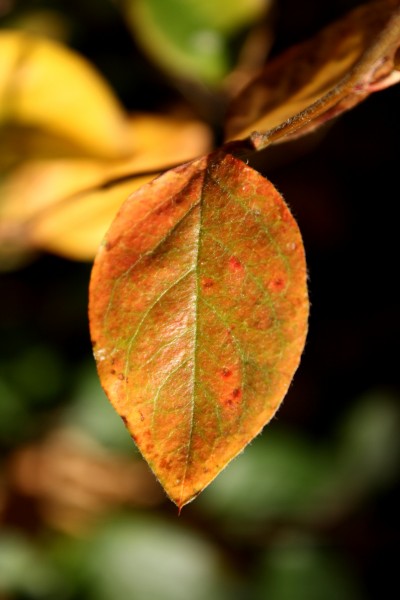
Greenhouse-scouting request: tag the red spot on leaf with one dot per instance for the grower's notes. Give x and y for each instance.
(226, 373)
(235, 265)
(207, 282)
(125, 420)
(234, 397)
(121, 376)
(277, 284)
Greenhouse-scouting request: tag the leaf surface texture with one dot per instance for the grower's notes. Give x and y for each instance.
(198, 309)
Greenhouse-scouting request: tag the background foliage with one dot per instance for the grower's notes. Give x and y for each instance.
(309, 510)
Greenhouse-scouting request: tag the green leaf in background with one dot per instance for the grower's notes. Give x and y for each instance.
(149, 559)
(25, 571)
(191, 39)
(14, 417)
(32, 381)
(279, 476)
(368, 442)
(26, 371)
(90, 411)
(300, 568)
(293, 479)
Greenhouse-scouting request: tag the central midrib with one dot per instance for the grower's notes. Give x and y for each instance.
(195, 333)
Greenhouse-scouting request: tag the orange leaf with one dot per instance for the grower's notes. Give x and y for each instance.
(320, 78)
(198, 309)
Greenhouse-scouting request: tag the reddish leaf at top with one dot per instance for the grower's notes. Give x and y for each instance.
(198, 309)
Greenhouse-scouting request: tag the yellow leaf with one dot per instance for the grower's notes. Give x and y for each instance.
(74, 228)
(66, 205)
(44, 85)
(162, 141)
(37, 184)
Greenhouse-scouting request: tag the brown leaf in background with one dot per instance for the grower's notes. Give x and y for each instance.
(75, 480)
(319, 79)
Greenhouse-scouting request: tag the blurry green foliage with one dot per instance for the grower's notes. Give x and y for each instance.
(31, 381)
(25, 570)
(148, 558)
(304, 569)
(293, 479)
(37, 373)
(90, 411)
(192, 39)
(13, 414)
(284, 477)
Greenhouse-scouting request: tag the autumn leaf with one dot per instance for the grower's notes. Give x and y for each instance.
(319, 79)
(198, 312)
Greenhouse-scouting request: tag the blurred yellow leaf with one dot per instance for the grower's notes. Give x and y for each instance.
(37, 184)
(19, 143)
(162, 141)
(44, 85)
(65, 205)
(74, 228)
